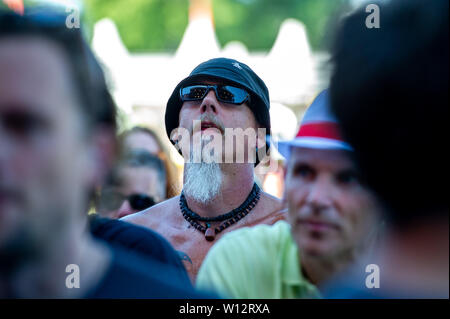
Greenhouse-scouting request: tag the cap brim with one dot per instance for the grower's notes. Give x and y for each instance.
(284, 147)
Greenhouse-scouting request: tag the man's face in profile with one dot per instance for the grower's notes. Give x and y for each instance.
(330, 212)
(43, 166)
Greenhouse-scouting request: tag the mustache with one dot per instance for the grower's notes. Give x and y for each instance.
(316, 214)
(207, 118)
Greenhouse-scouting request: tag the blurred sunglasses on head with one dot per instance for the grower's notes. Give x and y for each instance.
(43, 20)
(112, 200)
(224, 93)
(44, 15)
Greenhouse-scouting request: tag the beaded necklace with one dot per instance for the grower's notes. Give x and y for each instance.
(228, 219)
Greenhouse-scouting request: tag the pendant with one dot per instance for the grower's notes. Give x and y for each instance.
(210, 234)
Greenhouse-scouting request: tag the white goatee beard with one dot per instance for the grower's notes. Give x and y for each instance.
(202, 181)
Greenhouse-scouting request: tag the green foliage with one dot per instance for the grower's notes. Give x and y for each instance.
(144, 25)
(256, 22)
(158, 25)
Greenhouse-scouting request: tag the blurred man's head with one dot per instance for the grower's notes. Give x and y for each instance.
(331, 213)
(389, 90)
(56, 129)
(226, 97)
(137, 183)
(141, 138)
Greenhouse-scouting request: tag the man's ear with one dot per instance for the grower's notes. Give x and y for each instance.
(103, 152)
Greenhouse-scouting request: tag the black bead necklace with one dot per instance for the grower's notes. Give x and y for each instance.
(228, 219)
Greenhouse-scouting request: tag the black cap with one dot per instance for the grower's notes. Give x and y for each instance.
(233, 72)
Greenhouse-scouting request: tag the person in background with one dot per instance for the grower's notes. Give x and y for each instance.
(273, 181)
(140, 137)
(332, 220)
(136, 183)
(57, 141)
(389, 90)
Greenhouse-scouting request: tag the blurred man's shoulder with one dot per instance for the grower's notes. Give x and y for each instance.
(131, 276)
(152, 216)
(136, 238)
(272, 210)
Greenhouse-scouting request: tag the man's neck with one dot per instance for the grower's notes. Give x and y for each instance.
(414, 260)
(237, 184)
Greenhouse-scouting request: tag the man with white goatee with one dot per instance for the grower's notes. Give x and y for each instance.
(221, 101)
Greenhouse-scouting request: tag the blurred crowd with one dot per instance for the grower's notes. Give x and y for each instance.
(87, 211)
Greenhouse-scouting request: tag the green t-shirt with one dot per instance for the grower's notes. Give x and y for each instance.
(259, 262)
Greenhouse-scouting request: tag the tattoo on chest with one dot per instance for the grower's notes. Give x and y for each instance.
(184, 256)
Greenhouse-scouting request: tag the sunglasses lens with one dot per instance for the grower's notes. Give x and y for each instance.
(110, 200)
(192, 93)
(225, 94)
(140, 201)
(231, 94)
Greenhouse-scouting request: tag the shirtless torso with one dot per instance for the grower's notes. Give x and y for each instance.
(166, 219)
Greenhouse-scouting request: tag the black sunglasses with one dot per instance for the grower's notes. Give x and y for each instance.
(112, 200)
(224, 93)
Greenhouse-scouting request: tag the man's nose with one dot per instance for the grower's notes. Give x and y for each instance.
(320, 194)
(209, 103)
(125, 209)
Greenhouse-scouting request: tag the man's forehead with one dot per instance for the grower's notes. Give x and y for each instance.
(31, 66)
(321, 157)
(211, 81)
(32, 51)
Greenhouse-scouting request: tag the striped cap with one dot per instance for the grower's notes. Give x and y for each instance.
(319, 129)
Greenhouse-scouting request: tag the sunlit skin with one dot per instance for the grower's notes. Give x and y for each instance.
(332, 216)
(47, 166)
(166, 217)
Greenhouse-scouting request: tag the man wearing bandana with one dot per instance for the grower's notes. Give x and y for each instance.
(219, 195)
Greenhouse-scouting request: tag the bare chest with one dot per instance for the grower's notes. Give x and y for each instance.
(191, 243)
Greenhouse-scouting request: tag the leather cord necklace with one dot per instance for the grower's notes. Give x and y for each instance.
(228, 219)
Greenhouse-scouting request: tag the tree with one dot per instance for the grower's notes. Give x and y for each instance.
(158, 25)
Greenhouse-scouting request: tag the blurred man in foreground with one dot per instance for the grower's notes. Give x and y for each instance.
(57, 128)
(332, 222)
(222, 100)
(389, 90)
